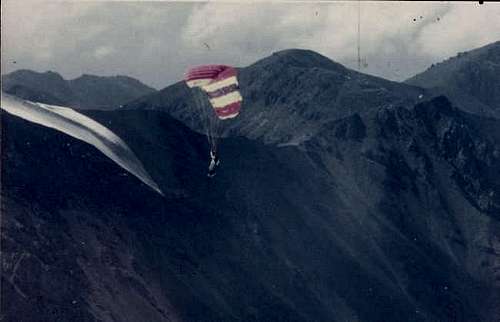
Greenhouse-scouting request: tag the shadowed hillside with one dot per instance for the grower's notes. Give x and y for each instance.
(368, 221)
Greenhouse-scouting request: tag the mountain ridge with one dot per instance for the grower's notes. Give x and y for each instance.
(300, 88)
(84, 92)
(469, 79)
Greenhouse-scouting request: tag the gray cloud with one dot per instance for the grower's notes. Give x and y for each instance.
(156, 41)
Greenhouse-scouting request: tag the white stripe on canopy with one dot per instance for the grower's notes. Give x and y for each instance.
(221, 101)
(220, 84)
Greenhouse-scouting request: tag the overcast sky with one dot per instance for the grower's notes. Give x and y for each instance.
(156, 41)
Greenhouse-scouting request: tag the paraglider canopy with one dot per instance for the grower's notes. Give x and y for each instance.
(220, 83)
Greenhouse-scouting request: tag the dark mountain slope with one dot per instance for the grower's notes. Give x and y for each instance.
(288, 95)
(85, 92)
(390, 215)
(104, 92)
(470, 79)
(35, 95)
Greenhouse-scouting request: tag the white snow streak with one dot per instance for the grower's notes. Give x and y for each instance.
(79, 126)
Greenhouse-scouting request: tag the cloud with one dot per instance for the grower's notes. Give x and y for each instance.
(396, 39)
(245, 32)
(465, 26)
(101, 38)
(157, 41)
(103, 52)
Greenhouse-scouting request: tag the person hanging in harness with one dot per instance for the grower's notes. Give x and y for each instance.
(214, 162)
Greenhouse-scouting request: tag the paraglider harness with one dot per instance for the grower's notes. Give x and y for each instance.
(214, 162)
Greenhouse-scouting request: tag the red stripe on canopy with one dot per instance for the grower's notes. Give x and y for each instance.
(205, 71)
(233, 108)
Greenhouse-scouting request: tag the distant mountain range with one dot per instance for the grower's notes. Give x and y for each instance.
(470, 79)
(84, 92)
(340, 197)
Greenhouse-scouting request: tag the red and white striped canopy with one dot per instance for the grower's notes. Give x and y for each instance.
(220, 82)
